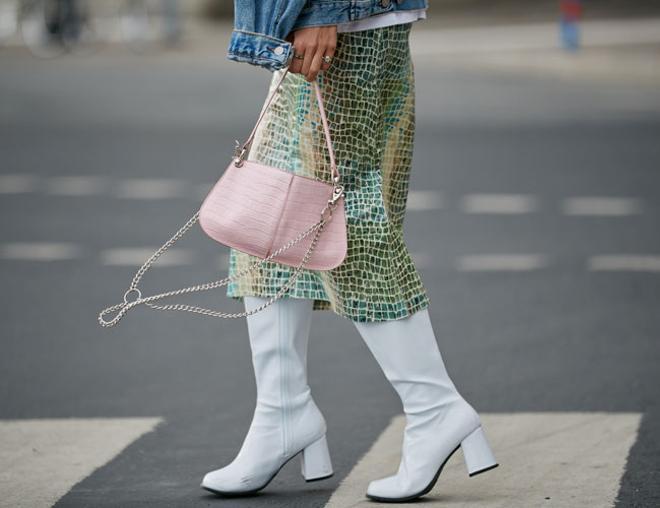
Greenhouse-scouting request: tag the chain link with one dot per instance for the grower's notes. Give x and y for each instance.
(317, 228)
(239, 155)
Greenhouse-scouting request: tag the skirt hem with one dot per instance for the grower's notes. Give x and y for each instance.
(369, 312)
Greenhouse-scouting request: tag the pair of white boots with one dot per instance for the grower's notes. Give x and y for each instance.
(287, 422)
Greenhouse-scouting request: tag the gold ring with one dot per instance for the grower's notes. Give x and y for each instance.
(299, 56)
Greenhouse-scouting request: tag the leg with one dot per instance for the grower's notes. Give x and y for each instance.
(286, 420)
(438, 419)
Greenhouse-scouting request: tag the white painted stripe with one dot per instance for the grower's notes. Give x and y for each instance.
(17, 184)
(42, 459)
(546, 459)
(531, 36)
(498, 203)
(202, 190)
(601, 206)
(422, 260)
(222, 261)
(424, 200)
(75, 185)
(500, 262)
(624, 262)
(39, 251)
(150, 188)
(137, 257)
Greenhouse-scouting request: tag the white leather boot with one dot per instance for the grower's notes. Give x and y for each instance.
(438, 419)
(286, 421)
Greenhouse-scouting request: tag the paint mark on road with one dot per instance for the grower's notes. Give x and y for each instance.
(137, 257)
(150, 188)
(546, 459)
(498, 203)
(40, 251)
(601, 206)
(42, 459)
(500, 262)
(75, 185)
(17, 184)
(624, 263)
(419, 200)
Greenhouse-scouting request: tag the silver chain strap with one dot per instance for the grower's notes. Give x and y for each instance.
(126, 305)
(239, 155)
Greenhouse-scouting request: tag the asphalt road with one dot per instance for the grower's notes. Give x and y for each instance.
(529, 315)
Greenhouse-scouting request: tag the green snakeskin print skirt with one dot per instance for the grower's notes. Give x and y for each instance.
(369, 98)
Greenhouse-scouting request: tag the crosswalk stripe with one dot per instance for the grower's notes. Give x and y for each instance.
(419, 200)
(202, 190)
(601, 206)
(422, 260)
(531, 36)
(150, 188)
(222, 261)
(500, 262)
(498, 203)
(40, 251)
(624, 262)
(42, 459)
(129, 256)
(75, 185)
(137, 256)
(546, 459)
(17, 184)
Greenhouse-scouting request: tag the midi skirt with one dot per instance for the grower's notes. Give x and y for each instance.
(369, 98)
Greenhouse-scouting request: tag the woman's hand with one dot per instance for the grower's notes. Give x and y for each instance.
(313, 43)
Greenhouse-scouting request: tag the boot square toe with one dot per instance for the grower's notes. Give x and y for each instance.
(221, 483)
(383, 488)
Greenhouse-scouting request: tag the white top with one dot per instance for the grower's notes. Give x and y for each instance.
(384, 19)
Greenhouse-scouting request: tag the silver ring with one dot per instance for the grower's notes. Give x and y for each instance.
(327, 59)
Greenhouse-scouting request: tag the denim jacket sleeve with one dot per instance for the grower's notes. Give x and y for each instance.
(260, 27)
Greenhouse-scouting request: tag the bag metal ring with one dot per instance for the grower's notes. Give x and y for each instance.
(139, 295)
(326, 214)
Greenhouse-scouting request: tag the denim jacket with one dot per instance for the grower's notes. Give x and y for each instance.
(260, 26)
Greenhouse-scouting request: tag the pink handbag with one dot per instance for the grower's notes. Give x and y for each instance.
(270, 213)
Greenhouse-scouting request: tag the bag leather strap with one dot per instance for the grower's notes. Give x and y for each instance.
(324, 120)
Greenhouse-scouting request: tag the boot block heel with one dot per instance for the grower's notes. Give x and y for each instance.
(478, 456)
(315, 461)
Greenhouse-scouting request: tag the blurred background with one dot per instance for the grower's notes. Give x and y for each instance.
(534, 218)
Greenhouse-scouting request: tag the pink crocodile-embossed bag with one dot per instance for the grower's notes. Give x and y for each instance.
(270, 213)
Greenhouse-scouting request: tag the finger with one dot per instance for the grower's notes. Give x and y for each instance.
(310, 52)
(315, 67)
(329, 51)
(296, 64)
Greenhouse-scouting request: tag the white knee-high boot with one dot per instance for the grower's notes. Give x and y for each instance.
(438, 419)
(286, 421)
